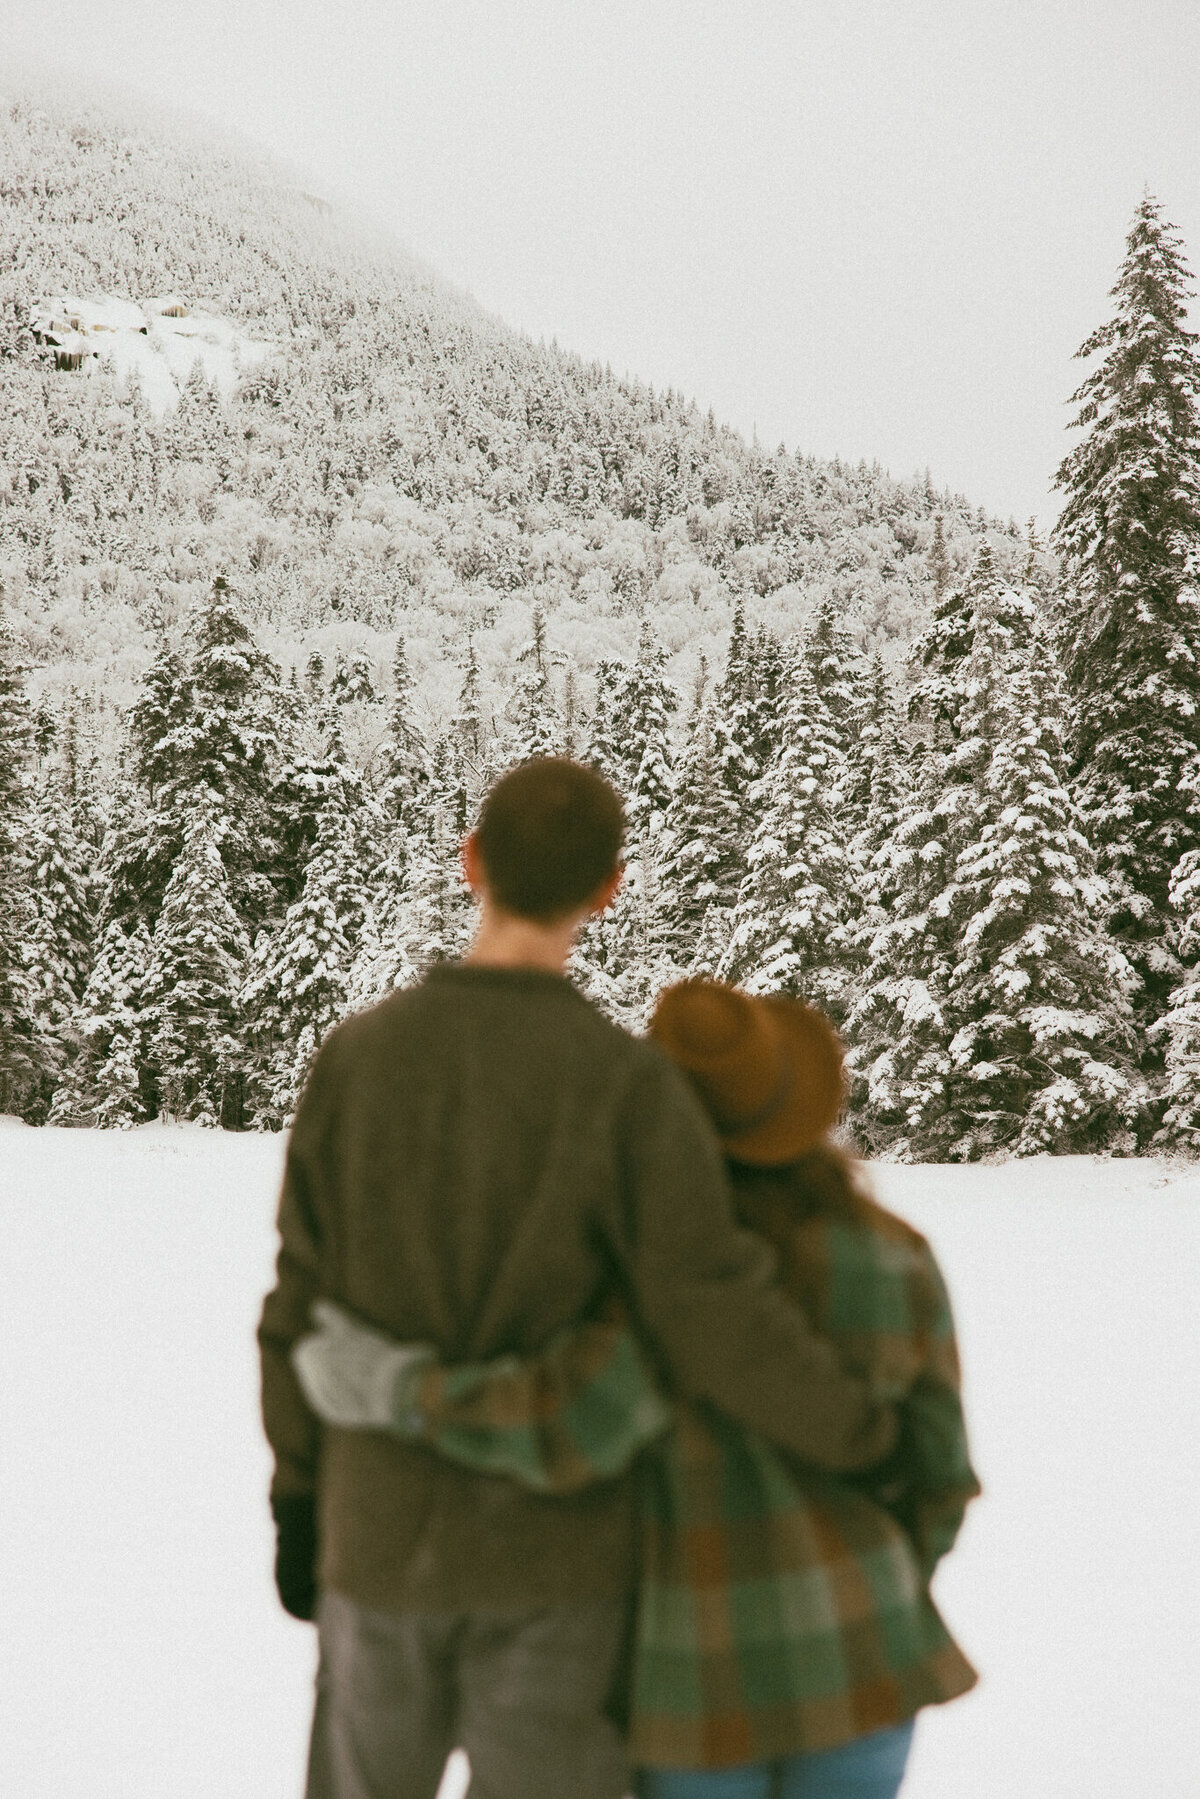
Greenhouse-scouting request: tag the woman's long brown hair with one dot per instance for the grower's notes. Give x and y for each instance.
(828, 1181)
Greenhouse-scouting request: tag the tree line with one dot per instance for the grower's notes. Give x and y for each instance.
(988, 874)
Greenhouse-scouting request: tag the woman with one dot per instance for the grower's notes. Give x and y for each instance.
(785, 1636)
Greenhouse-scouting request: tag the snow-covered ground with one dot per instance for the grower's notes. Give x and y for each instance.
(160, 340)
(143, 1655)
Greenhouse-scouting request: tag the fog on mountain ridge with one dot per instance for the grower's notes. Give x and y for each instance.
(400, 462)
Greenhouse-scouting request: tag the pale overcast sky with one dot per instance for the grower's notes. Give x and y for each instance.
(872, 227)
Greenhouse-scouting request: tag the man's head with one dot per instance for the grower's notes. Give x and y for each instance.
(548, 843)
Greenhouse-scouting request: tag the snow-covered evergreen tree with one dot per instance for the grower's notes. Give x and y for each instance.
(1129, 540)
(194, 1012)
(206, 723)
(996, 1018)
(736, 678)
(467, 725)
(353, 679)
(939, 560)
(109, 1080)
(1177, 1034)
(900, 1025)
(534, 721)
(433, 916)
(604, 749)
(21, 1051)
(59, 950)
(749, 704)
(159, 718)
(839, 669)
(841, 679)
(624, 956)
(381, 959)
(405, 786)
(882, 790)
(1042, 1059)
(697, 842)
(16, 334)
(449, 806)
(645, 705)
(758, 723)
(792, 928)
(935, 698)
(703, 856)
(626, 952)
(299, 977)
(316, 774)
(573, 717)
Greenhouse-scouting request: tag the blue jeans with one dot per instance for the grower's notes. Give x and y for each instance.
(870, 1768)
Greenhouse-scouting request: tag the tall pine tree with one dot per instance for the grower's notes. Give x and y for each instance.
(206, 723)
(702, 862)
(201, 953)
(21, 1051)
(995, 1011)
(1178, 1031)
(299, 981)
(645, 705)
(109, 1081)
(792, 928)
(1042, 1046)
(535, 724)
(1129, 540)
(59, 952)
(900, 1027)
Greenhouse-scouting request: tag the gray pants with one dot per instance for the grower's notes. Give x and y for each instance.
(523, 1692)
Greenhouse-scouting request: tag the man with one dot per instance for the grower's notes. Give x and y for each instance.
(475, 1163)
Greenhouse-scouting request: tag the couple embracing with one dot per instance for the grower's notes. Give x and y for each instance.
(616, 1429)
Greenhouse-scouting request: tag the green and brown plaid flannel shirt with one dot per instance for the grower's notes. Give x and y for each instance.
(780, 1610)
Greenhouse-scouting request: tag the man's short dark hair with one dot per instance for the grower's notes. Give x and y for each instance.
(549, 836)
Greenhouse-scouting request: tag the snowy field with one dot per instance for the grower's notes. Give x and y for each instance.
(144, 1655)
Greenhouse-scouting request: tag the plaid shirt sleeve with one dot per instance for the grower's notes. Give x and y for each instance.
(577, 1413)
(943, 1482)
(911, 1355)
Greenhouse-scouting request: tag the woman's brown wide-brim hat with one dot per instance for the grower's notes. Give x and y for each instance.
(768, 1069)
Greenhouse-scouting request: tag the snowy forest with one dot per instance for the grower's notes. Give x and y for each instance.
(266, 639)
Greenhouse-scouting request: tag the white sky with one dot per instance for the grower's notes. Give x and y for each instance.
(878, 228)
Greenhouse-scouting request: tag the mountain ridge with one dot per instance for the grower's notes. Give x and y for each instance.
(407, 463)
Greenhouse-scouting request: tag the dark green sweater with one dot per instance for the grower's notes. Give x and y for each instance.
(473, 1164)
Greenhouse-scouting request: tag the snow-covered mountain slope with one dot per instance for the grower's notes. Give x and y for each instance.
(144, 1654)
(398, 461)
(158, 343)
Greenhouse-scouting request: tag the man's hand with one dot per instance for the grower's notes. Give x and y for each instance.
(295, 1517)
(354, 1377)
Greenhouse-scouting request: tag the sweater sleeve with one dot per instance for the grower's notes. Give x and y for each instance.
(706, 1293)
(292, 1428)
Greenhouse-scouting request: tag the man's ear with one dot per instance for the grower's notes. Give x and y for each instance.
(472, 865)
(604, 895)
